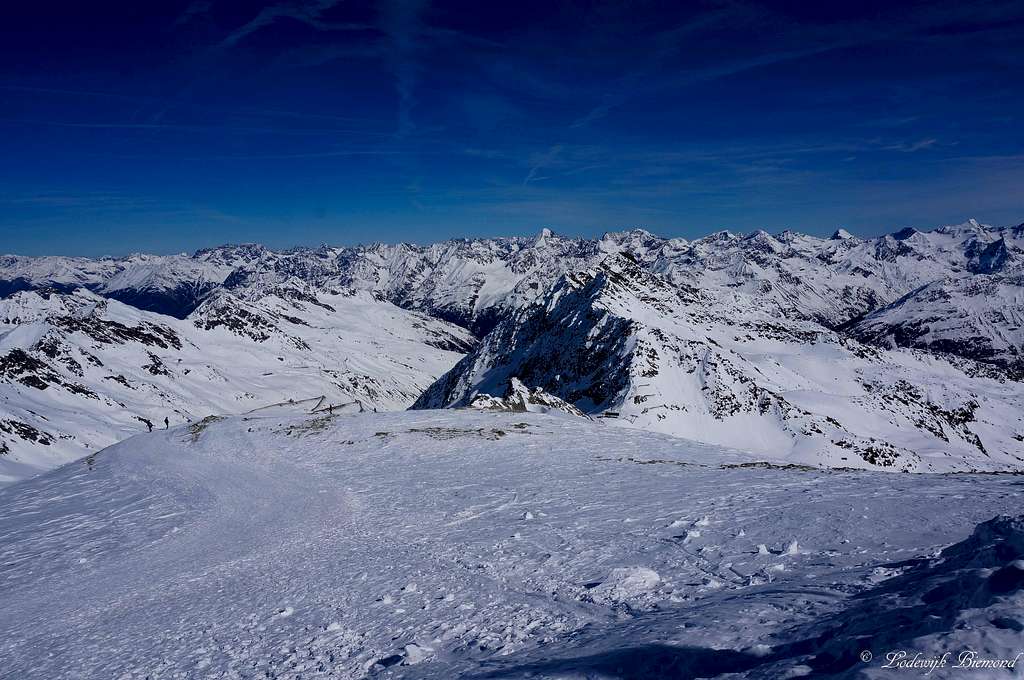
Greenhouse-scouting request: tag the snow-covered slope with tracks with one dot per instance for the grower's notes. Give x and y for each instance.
(469, 544)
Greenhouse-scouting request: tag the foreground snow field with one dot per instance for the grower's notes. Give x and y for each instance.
(456, 543)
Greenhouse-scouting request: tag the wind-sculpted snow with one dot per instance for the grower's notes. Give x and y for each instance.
(79, 372)
(624, 344)
(479, 544)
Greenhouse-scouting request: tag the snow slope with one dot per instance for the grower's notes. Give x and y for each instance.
(619, 342)
(79, 372)
(979, 316)
(474, 544)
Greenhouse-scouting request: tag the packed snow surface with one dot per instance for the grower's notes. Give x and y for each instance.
(489, 544)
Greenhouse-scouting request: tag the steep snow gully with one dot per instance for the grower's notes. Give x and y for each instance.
(485, 544)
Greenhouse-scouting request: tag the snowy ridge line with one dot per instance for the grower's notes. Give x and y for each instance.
(470, 281)
(79, 372)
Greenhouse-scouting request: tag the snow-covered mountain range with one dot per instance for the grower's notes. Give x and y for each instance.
(903, 351)
(627, 344)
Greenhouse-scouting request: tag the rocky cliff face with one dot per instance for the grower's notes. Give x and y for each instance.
(623, 344)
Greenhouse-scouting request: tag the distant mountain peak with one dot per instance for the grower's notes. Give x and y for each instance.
(721, 235)
(841, 235)
(543, 236)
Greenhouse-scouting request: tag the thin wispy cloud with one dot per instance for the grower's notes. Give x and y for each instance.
(401, 21)
(194, 9)
(667, 44)
(179, 127)
(188, 106)
(64, 91)
(911, 147)
(541, 162)
(339, 153)
(790, 44)
(309, 13)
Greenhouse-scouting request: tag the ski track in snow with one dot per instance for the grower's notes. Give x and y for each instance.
(448, 544)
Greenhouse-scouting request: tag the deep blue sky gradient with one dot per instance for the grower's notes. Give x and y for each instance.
(169, 126)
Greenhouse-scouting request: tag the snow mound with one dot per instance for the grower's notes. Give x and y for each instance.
(521, 399)
(626, 583)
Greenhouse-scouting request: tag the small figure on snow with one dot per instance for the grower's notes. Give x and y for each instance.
(167, 423)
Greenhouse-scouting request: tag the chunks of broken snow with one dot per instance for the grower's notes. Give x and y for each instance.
(626, 583)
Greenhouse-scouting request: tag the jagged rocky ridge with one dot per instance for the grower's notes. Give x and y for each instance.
(474, 282)
(620, 342)
(519, 398)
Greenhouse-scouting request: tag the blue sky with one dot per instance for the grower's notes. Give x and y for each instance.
(166, 127)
